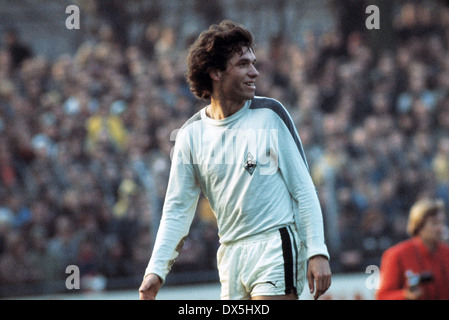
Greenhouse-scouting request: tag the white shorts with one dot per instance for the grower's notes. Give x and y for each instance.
(267, 264)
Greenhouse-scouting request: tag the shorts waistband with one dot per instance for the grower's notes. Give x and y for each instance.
(260, 236)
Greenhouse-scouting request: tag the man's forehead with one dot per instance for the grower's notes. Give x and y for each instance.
(246, 53)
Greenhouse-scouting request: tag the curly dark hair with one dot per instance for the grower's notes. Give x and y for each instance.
(211, 51)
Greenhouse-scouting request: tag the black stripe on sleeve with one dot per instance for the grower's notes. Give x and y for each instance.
(276, 107)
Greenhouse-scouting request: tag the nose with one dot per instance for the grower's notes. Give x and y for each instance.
(253, 72)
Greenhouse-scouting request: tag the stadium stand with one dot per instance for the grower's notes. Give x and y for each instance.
(85, 141)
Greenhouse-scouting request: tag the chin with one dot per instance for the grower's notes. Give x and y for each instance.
(250, 96)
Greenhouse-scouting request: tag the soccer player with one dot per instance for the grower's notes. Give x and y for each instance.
(244, 153)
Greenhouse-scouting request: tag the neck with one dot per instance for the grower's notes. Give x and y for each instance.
(430, 244)
(221, 109)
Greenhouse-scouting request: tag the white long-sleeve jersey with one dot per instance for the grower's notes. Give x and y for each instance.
(252, 168)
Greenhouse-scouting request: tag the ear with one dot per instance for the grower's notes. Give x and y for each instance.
(215, 75)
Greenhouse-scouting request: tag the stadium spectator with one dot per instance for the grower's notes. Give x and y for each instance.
(417, 268)
(18, 51)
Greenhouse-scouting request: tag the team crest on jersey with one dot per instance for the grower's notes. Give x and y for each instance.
(250, 163)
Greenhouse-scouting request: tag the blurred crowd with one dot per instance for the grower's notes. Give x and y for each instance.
(85, 143)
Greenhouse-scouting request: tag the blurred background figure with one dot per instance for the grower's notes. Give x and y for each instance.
(418, 268)
(17, 50)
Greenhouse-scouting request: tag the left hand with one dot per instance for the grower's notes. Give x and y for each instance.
(318, 275)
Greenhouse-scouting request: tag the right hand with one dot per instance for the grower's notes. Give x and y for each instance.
(150, 287)
(413, 293)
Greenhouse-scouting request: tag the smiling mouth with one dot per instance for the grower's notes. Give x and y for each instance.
(250, 84)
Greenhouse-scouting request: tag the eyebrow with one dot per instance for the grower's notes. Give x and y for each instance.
(247, 60)
(240, 60)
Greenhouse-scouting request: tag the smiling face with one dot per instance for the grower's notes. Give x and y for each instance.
(236, 84)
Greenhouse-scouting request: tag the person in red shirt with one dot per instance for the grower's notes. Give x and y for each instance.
(418, 268)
